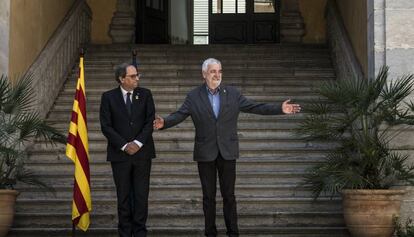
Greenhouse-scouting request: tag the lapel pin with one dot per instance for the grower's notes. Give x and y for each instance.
(137, 96)
(224, 90)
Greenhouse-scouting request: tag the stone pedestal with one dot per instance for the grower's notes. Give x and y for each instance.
(292, 26)
(122, 28)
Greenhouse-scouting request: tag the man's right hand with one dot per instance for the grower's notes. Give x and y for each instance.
(158, 122)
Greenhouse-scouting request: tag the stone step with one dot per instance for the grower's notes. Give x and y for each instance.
(178, 94)
(104, 179)
(300, 154)
(99, 164)
(188, 231)
(162, 105)
(176, 190)
(284, 122)
(223, 53)
(273, 131)
(298, 61)
(52, 154)
(220, 48)
(240, 73)
(179, 204)
(92, 63)
(195, 219)
(293, 89)
(199, 57)
(162, 101)
(94, 132)
(272, 197)
(167, 144)
(149, 81)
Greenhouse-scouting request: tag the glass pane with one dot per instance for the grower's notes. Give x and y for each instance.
(216, 6)
(241, 6)
(229, 6)
(264, 6)
(148, 3)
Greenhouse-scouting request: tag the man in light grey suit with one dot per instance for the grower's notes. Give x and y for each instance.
(214, 109)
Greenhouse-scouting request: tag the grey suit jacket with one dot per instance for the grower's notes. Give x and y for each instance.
(217, 135)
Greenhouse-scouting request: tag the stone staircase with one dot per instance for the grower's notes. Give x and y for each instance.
(271, 199)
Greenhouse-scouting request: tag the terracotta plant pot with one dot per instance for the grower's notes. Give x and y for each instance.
(370, 213)
(7, 201)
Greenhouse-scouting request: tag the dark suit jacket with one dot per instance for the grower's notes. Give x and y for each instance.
(120, 128)
(217, 135)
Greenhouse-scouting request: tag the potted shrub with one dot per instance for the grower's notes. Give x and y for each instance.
(19, 125)
(362, 117)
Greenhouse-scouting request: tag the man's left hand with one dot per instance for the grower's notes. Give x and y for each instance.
(132, 148)
(288, 108)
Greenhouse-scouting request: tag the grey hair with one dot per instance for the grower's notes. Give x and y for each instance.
(121, 70)
(209, 61)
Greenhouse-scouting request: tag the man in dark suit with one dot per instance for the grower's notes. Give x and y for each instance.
(126, 115)
(214, 109)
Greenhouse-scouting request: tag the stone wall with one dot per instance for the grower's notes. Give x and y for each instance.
(354, 17)
(32, 23)
(394, 46)
(394, 35)
(4, 35)
(102, 12)
(344, 59)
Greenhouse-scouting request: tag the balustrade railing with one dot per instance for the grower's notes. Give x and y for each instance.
(56, 60)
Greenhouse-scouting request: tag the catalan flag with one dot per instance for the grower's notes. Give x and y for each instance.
(77, 150)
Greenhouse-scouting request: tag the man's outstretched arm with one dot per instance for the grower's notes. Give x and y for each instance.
(173, 119)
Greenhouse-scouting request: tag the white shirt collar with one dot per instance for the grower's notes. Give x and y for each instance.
(124, 92)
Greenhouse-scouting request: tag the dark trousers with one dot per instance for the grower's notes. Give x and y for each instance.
(132, 182)
(227, 178)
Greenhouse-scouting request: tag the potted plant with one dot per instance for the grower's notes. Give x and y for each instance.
(19, 125)
(362, 117)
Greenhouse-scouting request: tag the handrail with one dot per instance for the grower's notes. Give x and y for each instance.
(56, 60)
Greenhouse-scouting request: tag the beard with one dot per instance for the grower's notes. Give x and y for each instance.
(214, 84)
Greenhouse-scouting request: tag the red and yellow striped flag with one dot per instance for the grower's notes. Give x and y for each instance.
(77, 150)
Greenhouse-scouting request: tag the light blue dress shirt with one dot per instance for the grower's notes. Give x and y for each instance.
(214, 100)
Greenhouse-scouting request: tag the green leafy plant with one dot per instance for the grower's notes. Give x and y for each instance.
(361, 117)
(404, 230)
(19, 125)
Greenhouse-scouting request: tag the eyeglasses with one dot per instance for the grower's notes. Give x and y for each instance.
(134, 76)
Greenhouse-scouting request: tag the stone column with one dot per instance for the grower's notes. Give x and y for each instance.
(4, 35)
(122, 28)
(292, 26)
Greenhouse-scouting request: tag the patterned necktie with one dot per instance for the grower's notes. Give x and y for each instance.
(129, 103)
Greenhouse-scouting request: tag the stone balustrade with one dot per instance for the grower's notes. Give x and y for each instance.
(343, 56)
(55, 62)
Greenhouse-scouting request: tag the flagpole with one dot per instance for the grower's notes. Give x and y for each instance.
(81, 54)
(73, 230)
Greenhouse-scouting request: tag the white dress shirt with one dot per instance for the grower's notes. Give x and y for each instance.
(124, 95)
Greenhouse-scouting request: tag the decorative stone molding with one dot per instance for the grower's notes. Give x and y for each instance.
(122, 28)
(345, 62)
(292, 26)
(54, 63)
